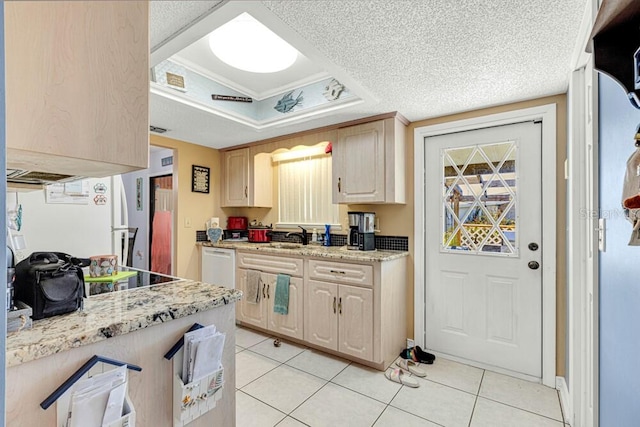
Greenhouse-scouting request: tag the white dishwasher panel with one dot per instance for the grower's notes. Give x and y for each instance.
(219, 266)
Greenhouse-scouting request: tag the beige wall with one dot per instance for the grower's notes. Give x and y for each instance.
(196, 207)
(394, 220)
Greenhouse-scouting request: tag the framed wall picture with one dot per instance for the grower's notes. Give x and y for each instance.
(200, 179)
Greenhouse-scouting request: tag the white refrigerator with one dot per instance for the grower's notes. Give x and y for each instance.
(83, 219)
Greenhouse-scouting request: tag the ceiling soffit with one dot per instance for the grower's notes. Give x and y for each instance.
(312, 87)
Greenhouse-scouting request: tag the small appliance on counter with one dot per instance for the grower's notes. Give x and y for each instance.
(366, 229)
(352, 237)
(237, 223)
(236, 235)
(237, 229)
(260, 233)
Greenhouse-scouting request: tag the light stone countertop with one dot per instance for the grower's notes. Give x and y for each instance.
(319, 251)
(116, 313)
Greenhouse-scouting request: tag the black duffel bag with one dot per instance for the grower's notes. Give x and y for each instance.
(51, 283)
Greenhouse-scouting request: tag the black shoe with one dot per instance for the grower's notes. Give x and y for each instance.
(417, 356)
(423, 356)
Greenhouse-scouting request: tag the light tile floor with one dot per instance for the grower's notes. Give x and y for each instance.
(292, 385)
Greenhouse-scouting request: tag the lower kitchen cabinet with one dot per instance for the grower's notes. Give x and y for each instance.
(340, 317)
(261, 315)
(353, 309)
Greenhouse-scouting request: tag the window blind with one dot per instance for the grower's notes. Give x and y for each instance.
(305, 192)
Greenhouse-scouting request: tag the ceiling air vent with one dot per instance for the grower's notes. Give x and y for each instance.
(157, 129)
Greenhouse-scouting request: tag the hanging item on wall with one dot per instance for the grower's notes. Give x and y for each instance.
(333, 90)
(631, 192)
(199, 179)
(231, 98)
(138, 194)
(287, 102)
(75, 193)
(175, 81)
(100, 199)
(100, 188)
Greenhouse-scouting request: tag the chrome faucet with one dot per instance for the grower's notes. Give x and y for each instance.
(302, 236)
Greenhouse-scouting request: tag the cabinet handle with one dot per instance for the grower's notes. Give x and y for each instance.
(339, 185)
(246, 191)
(334, 305)
(340, 305)
(268, 286)
(338, 272)
(263, 286)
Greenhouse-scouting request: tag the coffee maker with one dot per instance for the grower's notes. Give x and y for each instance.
(366, 229)
(352, 237)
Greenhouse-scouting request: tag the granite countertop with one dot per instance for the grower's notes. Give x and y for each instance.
(333, 252)
(117, 313)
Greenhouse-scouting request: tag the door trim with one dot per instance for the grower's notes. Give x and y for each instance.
(546, 113)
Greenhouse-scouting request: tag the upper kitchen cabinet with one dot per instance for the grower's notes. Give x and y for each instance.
(247, 179)
(368, 163)
(77, 86)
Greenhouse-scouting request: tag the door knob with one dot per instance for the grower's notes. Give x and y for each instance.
(534, 265)
(533, 246)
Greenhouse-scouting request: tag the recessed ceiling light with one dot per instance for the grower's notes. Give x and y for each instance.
(248, 45)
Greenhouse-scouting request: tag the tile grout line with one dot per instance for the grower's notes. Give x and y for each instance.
(293, 367)
(475, 402)
(524, 410)
(265, 403)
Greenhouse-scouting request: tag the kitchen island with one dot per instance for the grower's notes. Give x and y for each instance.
(136, 326)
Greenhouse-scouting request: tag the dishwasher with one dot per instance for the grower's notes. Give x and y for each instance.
(219, 266)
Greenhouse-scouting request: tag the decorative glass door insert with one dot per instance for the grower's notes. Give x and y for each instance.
(479, 203)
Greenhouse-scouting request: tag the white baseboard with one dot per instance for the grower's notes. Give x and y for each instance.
(565, 400)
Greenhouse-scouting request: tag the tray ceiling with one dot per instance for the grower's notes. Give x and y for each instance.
(422, 58)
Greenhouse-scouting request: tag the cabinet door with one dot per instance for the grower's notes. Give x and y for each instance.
(355, 312)
(358, 164)
(236, 178)
(320, 316)
(246, 312)
(77, 92)
(290, 324)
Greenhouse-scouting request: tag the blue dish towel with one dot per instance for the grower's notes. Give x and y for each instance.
(281, 302)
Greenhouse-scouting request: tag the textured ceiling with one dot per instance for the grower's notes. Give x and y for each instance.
(168, 18)
(423, 58)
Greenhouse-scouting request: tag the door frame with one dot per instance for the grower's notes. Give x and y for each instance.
(547, 114)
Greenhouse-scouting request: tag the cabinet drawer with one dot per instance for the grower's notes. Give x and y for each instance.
(270, 264)
(354, 274)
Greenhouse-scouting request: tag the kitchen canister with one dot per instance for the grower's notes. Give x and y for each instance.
(103, 265)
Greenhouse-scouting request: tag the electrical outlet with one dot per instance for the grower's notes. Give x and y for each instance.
(410, 343)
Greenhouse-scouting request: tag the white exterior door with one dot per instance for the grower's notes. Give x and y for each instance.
(483, 248)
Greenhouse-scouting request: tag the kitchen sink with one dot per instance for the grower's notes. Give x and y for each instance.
(285, 245)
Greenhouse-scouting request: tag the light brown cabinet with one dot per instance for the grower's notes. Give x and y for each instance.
(77, 86)
(246, 179)
(261, 314)
(349, 308)
(368, 163)
(340, 317)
